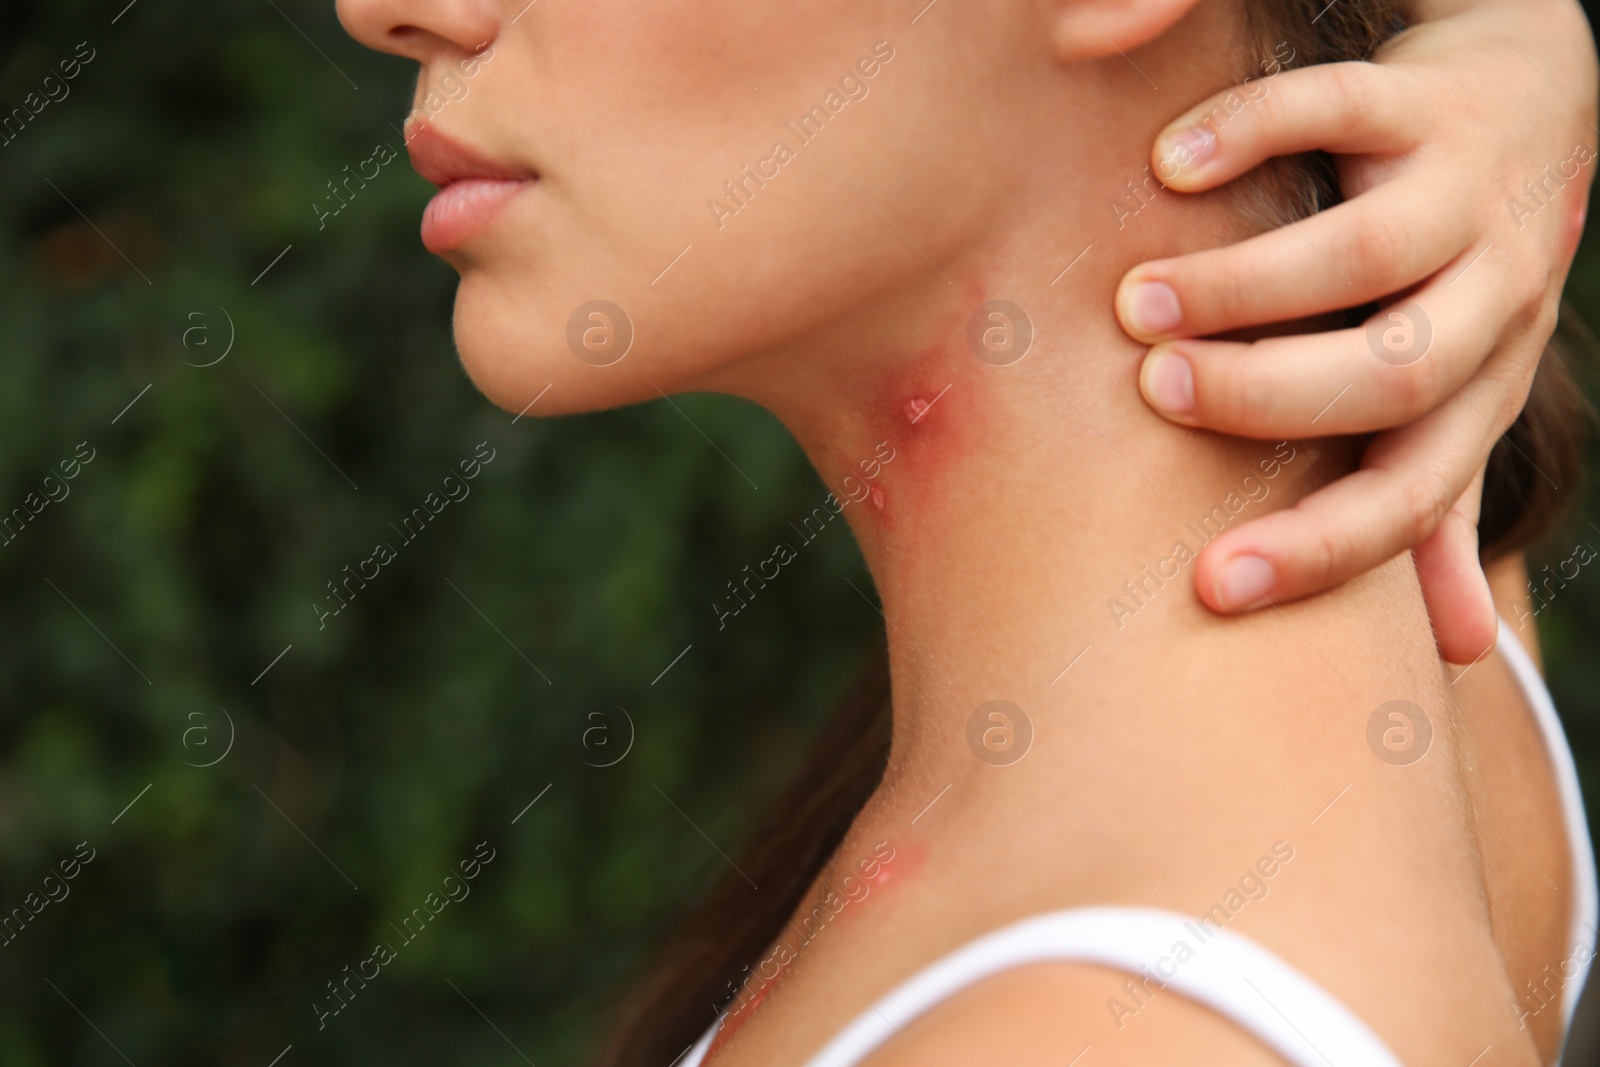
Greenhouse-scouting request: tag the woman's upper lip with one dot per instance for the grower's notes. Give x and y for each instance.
(443, 160)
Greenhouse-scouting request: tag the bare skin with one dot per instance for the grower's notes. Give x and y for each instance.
(1018, 505)
(1417, 487)
(1527, 861)
(1192, 749)
(1023, 537)
(1424, 897)
(1039, 1014)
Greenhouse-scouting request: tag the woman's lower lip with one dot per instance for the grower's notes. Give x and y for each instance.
(465, 208)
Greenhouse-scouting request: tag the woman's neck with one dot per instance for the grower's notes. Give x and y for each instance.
(1031, 528)
(1030, 524)
(1032, 516)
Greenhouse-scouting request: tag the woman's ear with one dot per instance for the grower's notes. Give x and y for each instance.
(1091, 29)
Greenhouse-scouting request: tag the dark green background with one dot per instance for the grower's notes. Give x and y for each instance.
(189, 551)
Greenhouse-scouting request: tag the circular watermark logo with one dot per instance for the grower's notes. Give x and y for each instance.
(599, 333)
(1399, 733)
(197, 740)
(999, 333)
(605, 747)
(999, 733)
(1400, 335)
(197, 339)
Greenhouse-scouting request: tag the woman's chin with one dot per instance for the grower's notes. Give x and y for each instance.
(517, 353)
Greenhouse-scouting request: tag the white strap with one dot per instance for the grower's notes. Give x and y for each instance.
(697, 1051)
(1585, 898)
(1232, 975)
(1228, 973)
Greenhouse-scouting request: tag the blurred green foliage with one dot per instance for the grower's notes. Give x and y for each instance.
(419, 721)
(380, 749)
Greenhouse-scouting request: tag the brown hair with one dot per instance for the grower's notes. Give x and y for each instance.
(1533, 473)
(1536, 468)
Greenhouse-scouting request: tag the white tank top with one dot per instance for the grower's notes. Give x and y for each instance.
(1232, 975)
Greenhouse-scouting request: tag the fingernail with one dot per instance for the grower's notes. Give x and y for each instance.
(1168, 383)
(1188, 149)
(1245, 582)
(1153, 308)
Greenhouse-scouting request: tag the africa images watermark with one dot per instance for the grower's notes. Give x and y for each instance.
(1251, 887)
(812, 525)
(384, 553)
(999, 733)
(856, 889)
(1399, 732)
(852, 87)
(454, 89)
(385, 953)
(1140, 591)
(55, 491)
(1542, 193)
(1201, 133)
(381, 156)
(33, 903)
(55, 90)
(451, 89)
(1535, 998)
(1583, 553)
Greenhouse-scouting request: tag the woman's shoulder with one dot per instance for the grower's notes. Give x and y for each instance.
(1069, 1015)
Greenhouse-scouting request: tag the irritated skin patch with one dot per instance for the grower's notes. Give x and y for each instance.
(902, 456)
(837, 902)
(926, 405)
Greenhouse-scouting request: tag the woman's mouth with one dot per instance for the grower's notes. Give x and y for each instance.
(472, 188)
(463, 209)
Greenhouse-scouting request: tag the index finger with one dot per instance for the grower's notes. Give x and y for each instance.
(1346, 108)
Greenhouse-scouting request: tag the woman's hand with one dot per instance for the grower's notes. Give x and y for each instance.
(1453, 222)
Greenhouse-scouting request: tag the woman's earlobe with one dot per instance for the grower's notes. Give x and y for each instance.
(1094, 29)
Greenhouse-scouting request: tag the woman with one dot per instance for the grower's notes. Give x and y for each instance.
(899, 231)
